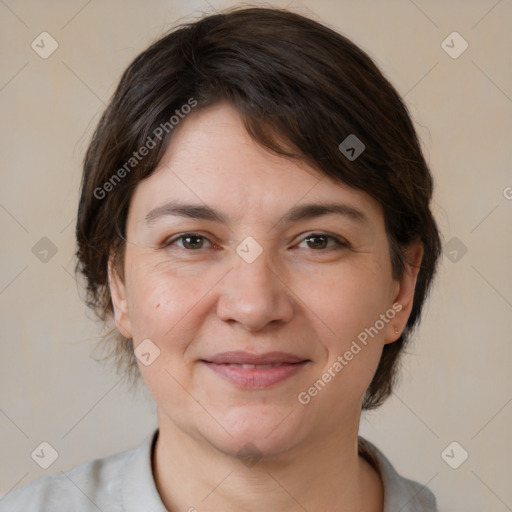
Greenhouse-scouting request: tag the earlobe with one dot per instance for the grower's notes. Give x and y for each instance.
(118, 295)
(405, 294)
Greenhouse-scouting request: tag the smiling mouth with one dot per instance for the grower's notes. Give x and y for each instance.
(255, 375)
(257, 366)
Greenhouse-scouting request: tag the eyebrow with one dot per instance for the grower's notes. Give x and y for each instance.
(295, 214)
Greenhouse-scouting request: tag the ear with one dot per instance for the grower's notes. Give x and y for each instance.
(118, 294)
(404, 293)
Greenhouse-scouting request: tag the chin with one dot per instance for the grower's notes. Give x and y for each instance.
(260, 430)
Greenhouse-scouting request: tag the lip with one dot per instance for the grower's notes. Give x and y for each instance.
(232, 366)
(240, 357)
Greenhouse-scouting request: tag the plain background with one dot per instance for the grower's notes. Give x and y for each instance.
(455, 383)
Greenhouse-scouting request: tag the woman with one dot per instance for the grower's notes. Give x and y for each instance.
(255, 217)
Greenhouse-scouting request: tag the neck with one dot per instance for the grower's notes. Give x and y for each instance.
(191, 474)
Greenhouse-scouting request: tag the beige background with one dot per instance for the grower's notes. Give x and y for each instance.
(456, 381)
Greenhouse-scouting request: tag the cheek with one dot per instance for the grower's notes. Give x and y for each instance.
(157, 303)
(162, 310)
(348, 298)
(168, 304)
(348, 304)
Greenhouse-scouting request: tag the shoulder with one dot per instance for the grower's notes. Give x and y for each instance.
(95, 485)
(399, 493)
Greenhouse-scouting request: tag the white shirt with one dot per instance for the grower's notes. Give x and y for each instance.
(124, 482)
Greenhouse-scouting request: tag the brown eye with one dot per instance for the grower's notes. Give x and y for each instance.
(189, 241)
(319, 241)
(193, 242)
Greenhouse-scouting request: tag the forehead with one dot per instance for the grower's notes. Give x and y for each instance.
(212, 160)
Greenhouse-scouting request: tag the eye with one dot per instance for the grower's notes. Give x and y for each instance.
(190, 241)
(319, 241)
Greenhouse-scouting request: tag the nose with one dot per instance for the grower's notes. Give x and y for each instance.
(254, 295)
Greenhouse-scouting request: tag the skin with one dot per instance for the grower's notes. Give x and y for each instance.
(307, 296)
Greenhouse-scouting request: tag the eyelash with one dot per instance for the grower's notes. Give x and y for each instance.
(339, 242)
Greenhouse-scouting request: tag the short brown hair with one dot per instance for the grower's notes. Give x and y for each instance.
(301, 89)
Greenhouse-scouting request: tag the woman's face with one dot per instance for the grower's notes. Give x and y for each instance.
(228, 265)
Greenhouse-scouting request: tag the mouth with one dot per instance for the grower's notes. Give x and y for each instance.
(255, 371)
